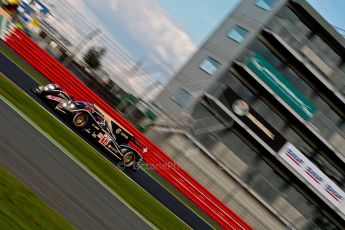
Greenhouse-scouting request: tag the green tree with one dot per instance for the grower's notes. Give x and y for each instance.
(93, 57)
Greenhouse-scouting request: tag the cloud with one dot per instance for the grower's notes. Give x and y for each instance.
(149, 26)
(114, 5)
(155, 30)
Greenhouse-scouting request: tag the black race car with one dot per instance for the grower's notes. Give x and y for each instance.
(88, 118)
(52, 94)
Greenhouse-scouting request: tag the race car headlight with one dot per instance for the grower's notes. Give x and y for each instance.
(68, 105)
(45, 88)
(51, 86)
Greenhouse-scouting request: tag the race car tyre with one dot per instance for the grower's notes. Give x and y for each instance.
(80, 120)
(129, 158)
(135, 167)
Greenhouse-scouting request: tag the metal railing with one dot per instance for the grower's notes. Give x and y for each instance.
(291, 34)
(329, 131)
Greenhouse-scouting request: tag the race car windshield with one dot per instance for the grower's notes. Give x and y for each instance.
(57, 87)
(106, 126)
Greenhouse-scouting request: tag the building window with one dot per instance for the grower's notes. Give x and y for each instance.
(265, 4)
(182, 97)
(209, 65)
(238, 34)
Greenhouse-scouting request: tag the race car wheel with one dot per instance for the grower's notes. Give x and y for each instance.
(128, 159)
(80, 120)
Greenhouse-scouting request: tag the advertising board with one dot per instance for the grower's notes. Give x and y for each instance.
(281, 86)
(313, 175)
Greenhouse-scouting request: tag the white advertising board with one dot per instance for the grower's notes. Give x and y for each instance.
(313, 175)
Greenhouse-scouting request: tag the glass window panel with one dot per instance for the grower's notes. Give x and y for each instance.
(201, 112)
(209, 65)
(238, 34)
(245, 93)
(233, 82)
(182, 97)
(265, 4)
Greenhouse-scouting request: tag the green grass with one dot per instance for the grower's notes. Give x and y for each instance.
(23, 64)
(139, 199)
(20, 208)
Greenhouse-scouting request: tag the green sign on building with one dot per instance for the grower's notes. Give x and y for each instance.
(278, 83)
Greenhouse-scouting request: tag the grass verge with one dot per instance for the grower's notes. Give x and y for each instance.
(22, 209)
(134, 195)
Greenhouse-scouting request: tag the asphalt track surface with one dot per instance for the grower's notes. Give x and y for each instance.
(38, 163)
(26, 83)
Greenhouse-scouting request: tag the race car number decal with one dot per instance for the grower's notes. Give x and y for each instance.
(104, 140)
(54, 98)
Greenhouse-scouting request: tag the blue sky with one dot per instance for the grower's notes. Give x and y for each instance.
(200, 17)
(184, 24)
(166, 32)
(197, 17)
(332, 10)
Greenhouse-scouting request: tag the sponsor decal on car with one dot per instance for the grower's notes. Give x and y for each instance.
(105, 140)
(54, 98)
(124, 135)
